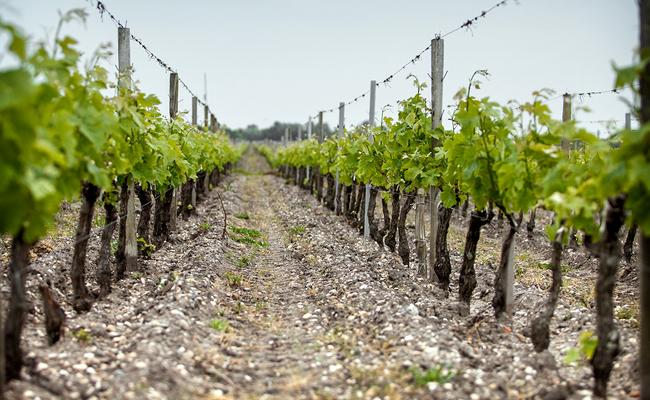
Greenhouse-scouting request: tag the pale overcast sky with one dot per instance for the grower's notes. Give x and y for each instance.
(283, 60)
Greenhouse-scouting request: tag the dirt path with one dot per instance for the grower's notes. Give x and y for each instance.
(294, 304)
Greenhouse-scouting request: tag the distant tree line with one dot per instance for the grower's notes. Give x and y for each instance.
(275, 131)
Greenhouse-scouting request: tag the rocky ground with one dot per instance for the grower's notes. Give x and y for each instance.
(293, 303)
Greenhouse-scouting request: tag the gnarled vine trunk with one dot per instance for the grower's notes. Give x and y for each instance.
(161, 219)
(120, 253)
(54, 315)
(530, 226)
(359, 209)
(540, 333)
(644, 352)
(187, 208)
(608, 337)
(346, 198)
(628, 247)
(464, 208)
(467, 277)
(104, 274)
(17, 308)
(81, 299)
(403, 248)
(201, 189)
(394, 219)
(338, 194)
(215, 176)
(381, 234)
(442, 265)
(504, 274)
(372, 206)
(319, 185)
(146, 204)
(329, 195)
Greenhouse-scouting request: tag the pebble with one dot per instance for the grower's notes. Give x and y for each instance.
(334, 368)
(412, 310)
(371, 299)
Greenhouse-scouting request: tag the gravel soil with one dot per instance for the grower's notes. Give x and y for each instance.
(298, 305)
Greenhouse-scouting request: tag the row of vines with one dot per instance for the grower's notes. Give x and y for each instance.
(510, 159)
(63, 137)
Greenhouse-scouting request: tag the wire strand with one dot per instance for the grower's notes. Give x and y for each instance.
(101, 8)
(465, 25)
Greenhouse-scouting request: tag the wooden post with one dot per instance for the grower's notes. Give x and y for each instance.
(298, 138)
(195, 103)
(205, 116)
(337, 206)
(173, 112)
(644, 267)
(206, 178)
(566, 117)
(437, 74)
(320, 127)
(124, 57)
(195, 122)
(320, 178)
(130, 239)
(308, 138)
(371, 124)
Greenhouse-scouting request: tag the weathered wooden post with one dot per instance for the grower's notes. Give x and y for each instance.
(320, 178)
(298, 138)
(309, 138)
(320, 127)
(195, 122)
(206, 177)
(337, 205)
(437, 73)
(371, 124)
(173, 112)
(644, 268)
(566, 117)
(130, 239)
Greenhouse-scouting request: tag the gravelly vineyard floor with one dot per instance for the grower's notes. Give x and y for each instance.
(318, 313)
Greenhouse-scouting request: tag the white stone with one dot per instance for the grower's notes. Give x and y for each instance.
(412, 310)
(334, 368)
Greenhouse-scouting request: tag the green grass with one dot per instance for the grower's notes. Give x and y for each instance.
(242, 215)
(219, 325)
(145, 248)
(628, 313)
(82, 335)
(247, 240)
(98, 220)
(260, 305)
(251, 233)
(244, 261)
(233, 279)
(136, 275)
(204, 226)
(297, 230)
(437, 374)
(547, 266)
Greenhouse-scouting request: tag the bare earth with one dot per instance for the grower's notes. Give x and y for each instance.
(319, 313)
